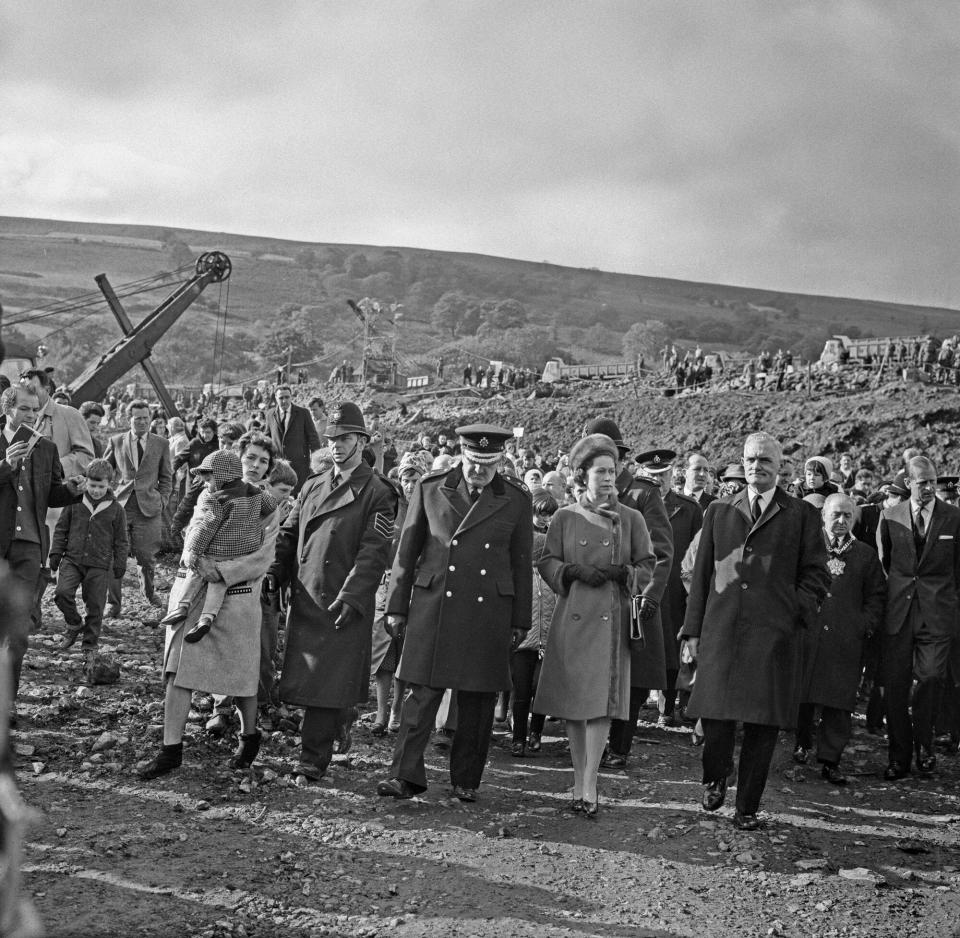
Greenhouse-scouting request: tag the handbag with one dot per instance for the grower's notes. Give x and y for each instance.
(636, 622)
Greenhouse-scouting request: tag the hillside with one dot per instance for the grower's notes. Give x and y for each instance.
(290, 292)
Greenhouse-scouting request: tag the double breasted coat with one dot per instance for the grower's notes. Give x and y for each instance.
(833, 645)
(586, 666)
(754, 587)
(643, 495)
(333, 545)
(686, 517)
(928, 578)
(461, 576)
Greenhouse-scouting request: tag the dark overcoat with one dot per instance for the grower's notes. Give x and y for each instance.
(929, 578)
(686, 518)
(461, 575)
(644, 496)
(296, 441)
(754, 587)
(833, 646)
(334, 545)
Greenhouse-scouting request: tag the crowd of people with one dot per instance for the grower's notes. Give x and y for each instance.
(468, 577)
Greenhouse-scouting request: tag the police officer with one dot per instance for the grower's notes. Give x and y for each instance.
(332, 550)
(647, 668)
(461, 588)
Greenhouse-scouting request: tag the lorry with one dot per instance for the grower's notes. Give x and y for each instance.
(841, 348)
(556, 370)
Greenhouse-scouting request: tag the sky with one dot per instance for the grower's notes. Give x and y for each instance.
(800, 146)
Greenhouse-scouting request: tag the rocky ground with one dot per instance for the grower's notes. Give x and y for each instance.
(211, 852)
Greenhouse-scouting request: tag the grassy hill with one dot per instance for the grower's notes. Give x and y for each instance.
(277, 283)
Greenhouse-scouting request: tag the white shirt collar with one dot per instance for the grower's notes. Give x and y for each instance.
(765, 497)
(8, 433)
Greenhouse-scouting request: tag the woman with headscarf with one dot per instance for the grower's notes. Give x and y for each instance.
(817, 471)
(597, 556)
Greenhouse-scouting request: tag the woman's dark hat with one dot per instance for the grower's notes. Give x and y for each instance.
(592, 445)
(345, 418)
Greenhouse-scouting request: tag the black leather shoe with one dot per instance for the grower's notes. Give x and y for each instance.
(246, 752)
(591, 809)
(612, 760)
(204, 624)
(464, 794)
(113, 611)
(168, 759)
(746, 822)
(926, 763)
(396, 788)
(833, 775)
(69, 639)
(800, 755)
(518, 749)
(714, 795)
(895, 771)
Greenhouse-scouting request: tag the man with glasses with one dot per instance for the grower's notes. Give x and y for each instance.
(919, 545)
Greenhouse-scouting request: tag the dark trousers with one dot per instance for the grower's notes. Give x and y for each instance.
(524, 675)
(471, 740)
(833, 732)
(317, 735)
(669, 703)
(912, 654)
(92, 582)
(269, 639)
(622, 731)
(23, 558)
(144, 535)
(756, 752)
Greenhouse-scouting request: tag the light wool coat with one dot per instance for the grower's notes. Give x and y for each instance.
(586, 667)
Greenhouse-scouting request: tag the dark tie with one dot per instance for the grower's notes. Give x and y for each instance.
(475, 494)
(283, 421)
(757, 509)
(139, 451)
(337, 479)
(836, 543)
(921, 527)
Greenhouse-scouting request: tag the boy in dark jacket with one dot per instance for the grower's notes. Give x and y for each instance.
(89, 547)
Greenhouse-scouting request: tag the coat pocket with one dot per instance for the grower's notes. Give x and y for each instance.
(423, 579)
(505, 587)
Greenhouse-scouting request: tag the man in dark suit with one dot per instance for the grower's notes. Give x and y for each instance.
(696, 480)
(31, 480)
(461, 588)
(919, 545)
(333, 550)
(145, 479)
(760, 574)
(293, 432)
(647, 664)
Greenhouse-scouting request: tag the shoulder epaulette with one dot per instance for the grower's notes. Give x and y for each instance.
(434, 474)
(517, 484)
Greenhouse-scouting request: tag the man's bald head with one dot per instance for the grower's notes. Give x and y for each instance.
(839, 514)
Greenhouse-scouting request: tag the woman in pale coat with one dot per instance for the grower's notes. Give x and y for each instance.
(228, 662)
(597, 556)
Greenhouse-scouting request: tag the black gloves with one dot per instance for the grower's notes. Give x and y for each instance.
(648, 608)
(617, 572)
(54, 562)
(592, 576)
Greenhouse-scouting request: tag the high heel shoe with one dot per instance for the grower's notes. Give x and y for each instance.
(576, 806)
(591, 809)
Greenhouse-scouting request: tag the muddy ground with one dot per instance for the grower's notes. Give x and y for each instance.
(210, 852)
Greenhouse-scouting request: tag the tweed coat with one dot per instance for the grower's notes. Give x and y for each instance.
(296, 441)
(227, 661)
(686, 518)
(931, 580)
(334, 545)
(754, 587)
(461, 576)
(586, 666)
(150, 482)
(833, 645)
(645, 497)
(65, 427)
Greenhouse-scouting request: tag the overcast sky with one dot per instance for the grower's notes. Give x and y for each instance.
(800, 146)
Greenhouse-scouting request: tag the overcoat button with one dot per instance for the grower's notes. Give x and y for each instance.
(449, 593)
(743, 586)
(486, 547)
(604, 618)
(479, 599)
(454, 543)
(451, 568)
(483, 573)
(606, 542)
(583, 542)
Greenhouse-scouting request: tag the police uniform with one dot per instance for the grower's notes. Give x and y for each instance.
(461, 577)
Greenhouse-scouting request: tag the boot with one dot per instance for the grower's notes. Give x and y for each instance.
(247, 751)
(168, 759)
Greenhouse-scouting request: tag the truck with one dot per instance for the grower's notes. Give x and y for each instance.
(841, 348)
(556, 370)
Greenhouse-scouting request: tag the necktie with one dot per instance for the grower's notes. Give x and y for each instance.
(283, 421)
(475, 494)
(836, 543)
(921, 528)
(756, 510)
(337, 479)
(139, 451)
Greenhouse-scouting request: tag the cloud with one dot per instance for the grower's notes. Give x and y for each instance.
(793, 146)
